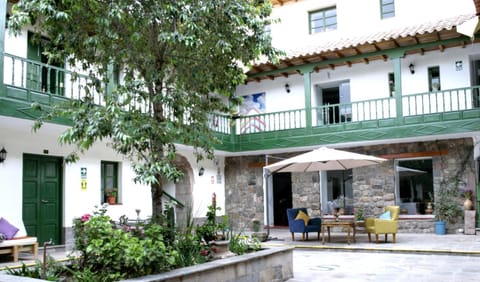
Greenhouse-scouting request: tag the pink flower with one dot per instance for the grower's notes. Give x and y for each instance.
(85, 217)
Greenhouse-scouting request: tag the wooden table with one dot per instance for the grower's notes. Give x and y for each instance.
(346, 224)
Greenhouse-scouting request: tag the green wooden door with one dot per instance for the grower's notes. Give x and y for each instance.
(42, 182)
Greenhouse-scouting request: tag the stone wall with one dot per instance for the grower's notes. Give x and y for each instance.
(306, 192)
(244, 197)
(373, 186)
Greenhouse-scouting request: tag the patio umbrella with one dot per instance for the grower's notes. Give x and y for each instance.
(323, 159)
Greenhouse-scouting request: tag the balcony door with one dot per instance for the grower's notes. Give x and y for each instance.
(40, 77)
(282, 197)
(332, 103)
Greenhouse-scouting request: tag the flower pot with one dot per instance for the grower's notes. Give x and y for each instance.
(111, 200)
(468, 205)
(440, 227)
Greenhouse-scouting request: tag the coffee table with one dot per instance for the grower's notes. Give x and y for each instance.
(345, 224)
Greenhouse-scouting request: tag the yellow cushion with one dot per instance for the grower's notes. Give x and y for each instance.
(304, 216)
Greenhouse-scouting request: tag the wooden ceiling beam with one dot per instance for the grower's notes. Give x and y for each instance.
(332, 66)
(366, 61)
(271, 77)
(441, 48)
(385, 58)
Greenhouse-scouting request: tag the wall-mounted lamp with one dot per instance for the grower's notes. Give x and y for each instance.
(3, 155)
(201, 171)
(287, 88)
(411, 67)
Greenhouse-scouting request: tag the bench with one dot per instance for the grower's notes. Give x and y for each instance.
(16, 245)
(20, 242)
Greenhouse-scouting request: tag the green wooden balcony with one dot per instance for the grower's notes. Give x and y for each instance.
(452, 111)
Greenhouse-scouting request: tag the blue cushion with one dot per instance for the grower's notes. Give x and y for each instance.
(386, 215)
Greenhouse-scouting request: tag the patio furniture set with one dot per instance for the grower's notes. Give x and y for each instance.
(300, 222)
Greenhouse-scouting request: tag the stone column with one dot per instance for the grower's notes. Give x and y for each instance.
(469, 223)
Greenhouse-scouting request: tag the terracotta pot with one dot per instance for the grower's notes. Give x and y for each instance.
(467, 205)
(111, 200)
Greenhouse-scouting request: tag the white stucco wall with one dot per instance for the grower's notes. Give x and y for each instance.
(355, 18)
(17, 138)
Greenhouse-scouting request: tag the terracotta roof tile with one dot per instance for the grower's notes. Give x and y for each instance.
(377, 36)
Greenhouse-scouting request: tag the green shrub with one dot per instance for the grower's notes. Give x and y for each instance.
(113, 254)
(241, 244)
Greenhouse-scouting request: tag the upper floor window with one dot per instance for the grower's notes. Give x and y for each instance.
(434, 79)
(391, 84)
(387, 8)
(323, 20)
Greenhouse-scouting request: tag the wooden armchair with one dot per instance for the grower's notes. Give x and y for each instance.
(383, 225)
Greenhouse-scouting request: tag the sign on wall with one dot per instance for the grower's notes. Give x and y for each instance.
(83, 178)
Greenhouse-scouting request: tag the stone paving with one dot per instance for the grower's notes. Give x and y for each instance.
(414, 257)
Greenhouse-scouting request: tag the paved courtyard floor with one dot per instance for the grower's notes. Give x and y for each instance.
(414, 257)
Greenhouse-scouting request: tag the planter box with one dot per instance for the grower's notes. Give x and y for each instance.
(272, 264)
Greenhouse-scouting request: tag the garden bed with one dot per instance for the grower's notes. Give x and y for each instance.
(272, 264)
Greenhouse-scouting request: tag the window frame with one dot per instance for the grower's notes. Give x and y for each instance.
(434, 74)
(387, 14)
(103, 179)
(420, 205)
(324, 27)
(391, 84)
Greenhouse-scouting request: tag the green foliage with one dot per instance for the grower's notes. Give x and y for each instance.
(359, 214)
(180, 61)
(447, 207)
(241, 244)
(210, 229)
(113, 254)
(53, 270)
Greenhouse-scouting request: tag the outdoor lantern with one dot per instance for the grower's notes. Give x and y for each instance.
(201, 171)
(3, 155)
(287, 88)
(411, 67)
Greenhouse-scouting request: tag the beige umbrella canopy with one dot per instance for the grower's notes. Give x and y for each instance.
(323, 159)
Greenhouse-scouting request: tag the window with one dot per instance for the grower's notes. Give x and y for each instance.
(414, 185)
(391, 84)
(109, 177)
(434, 79)
(338, 191)
(387, 8)
(323, 20)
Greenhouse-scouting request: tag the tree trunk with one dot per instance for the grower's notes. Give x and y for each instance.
(157, 191)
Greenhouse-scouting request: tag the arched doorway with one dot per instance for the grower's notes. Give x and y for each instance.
(184, 190)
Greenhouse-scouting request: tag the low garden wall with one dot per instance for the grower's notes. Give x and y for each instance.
(272, 264)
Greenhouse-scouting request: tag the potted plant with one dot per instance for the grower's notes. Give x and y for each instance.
(111, 195)
(446, 207)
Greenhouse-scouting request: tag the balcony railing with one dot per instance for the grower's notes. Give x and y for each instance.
(32, 81)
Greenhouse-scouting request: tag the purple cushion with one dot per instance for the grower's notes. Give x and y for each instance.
(7, 228)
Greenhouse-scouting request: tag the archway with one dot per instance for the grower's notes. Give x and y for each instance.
(184, 190)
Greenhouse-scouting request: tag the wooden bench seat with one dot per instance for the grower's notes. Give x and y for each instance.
(17, 245)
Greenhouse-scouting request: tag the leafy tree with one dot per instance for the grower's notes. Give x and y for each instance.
(181, 61)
